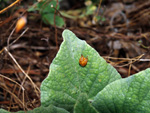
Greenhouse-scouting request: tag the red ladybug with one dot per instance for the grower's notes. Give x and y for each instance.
(83, 61)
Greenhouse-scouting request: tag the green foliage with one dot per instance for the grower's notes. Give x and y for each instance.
(48, 19)
(90, 9)
(67, 79)
(95, 88)
(129, 95)
(47, 9)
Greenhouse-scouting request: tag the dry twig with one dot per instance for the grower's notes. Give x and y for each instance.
(11, 5)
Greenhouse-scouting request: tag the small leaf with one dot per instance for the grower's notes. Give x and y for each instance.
(47, 10)
(67, 79)
(129, 95)
(45, 6)
(49, 19)
(83, 106)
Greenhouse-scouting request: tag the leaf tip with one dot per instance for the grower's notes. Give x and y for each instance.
(67, 33)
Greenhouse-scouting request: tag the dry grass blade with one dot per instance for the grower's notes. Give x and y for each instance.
(130, 60)
(37, 90)
(17, 38)
(12, 81)
(21, 86)
(12, 94)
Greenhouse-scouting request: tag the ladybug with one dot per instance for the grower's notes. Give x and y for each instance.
(83, 61)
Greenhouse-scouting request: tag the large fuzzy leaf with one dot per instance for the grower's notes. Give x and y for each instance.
(129, 95)
(67, 79)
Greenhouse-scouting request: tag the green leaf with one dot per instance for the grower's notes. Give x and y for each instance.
(49, 19)
(41, 109)
(47, 10)
(67, 79)
(47, 13)
(129, 95)
(83, 106)
(45, 6)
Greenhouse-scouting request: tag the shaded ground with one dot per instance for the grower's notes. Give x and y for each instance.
(124, 34)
